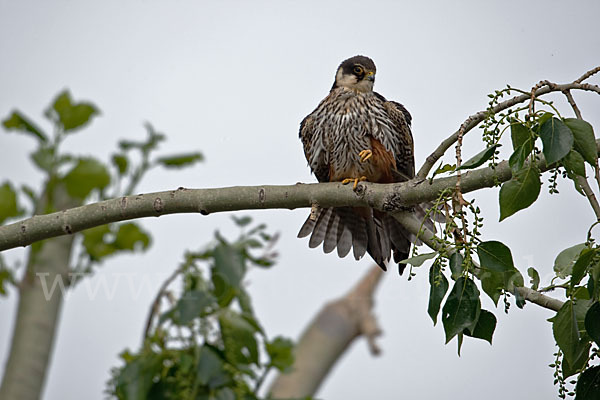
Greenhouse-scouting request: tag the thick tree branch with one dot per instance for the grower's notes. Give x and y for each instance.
(386, 197)
(328, 337)
(540, 299)
(205, 201)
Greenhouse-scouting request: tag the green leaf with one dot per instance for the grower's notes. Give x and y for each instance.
(87, 175)
(492, 284)
(588, 384)
(479, 158)
(498, 270)
(105, 240)
(495, 256)
(6, 278)
(209, 370)
(137, 377)
(43, 158)
(94, 243)
(535, 277)
(445, 168)
(438, 286)
(557, 140)
(441, 169)
(592, 322)
(580, 267)
(225, 393)
(574, 163)
(417, 261)
(543, 119)
(8, 202)
(520, 192)
(484, 329)
(519, 156)
(186, 362)
(121, 162)
(563, 264)
(281, 353)
(594, 281)
(229, 264)
(572, 369)
(242, 221)
(520, 134)
(30, 193)
(238, 336)
(585, 141)
(460, 338)
(456, 265)
(18, 122)
(180, 160)
(581, 292)
(191, 305)
(130, 236)
(566, 330)
(461, 309)
(70, 115)
(519, 299)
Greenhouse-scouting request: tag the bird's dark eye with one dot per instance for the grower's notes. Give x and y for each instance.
(358, 70)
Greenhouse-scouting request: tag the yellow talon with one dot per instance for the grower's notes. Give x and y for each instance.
(355, 180)
(365, 155)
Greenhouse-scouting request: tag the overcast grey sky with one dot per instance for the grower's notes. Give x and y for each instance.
(234, 79)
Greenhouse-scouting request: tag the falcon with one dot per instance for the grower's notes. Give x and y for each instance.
(355, 135)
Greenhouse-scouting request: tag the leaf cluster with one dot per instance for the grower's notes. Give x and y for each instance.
(567, 145)
(83, 177)
(207, 342)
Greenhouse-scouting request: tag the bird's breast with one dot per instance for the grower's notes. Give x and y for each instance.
(347, 125)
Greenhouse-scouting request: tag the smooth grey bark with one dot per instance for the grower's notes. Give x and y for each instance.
(38, 312)
(328, 336)
(386, 197)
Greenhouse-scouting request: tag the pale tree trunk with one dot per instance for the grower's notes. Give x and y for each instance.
(328, 337)
(38, 312)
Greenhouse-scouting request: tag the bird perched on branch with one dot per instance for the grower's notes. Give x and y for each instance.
(355, 135)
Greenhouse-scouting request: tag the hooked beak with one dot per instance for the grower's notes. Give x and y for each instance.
(370, 76)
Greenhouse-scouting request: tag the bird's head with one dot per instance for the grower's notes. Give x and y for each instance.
(356, 73)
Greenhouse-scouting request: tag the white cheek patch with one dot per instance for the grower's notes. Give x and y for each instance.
(345, 80)
(350, 81)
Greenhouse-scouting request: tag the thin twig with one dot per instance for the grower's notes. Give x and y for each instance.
(410, 222)
(581, 180)
(589, 193)
(156, 303)
(457, 198)
(597, 173)
(477, 118)
(261, 378)
(591, 72)
(533, 95)
(571, 101)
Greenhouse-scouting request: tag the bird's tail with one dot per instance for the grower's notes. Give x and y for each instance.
(337, 227)
(363, 230)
